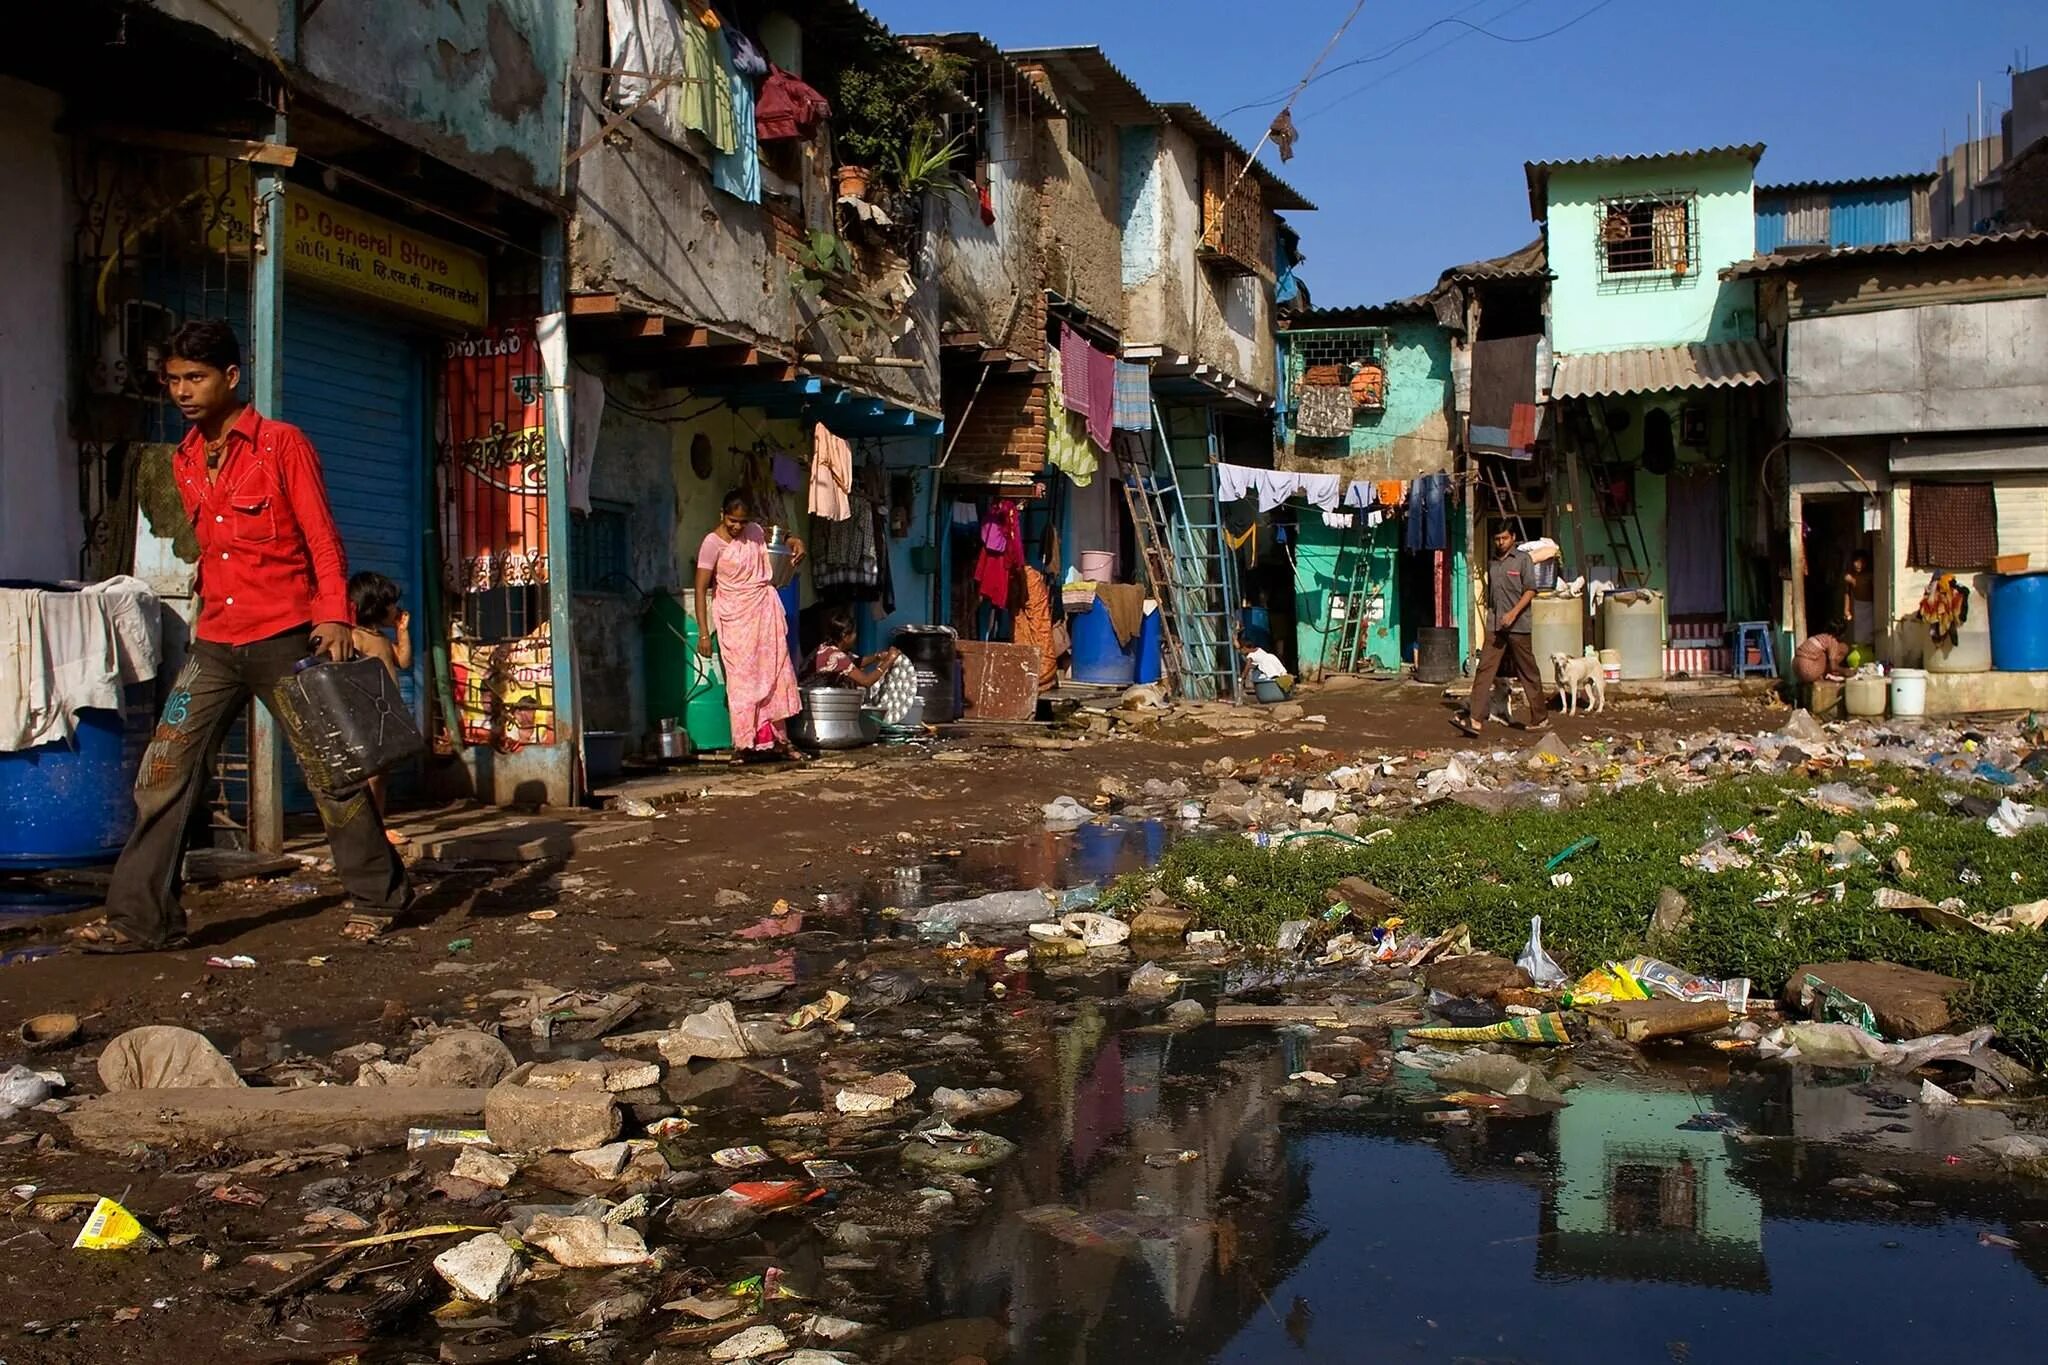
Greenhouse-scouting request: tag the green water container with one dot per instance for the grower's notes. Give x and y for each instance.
(680, 682)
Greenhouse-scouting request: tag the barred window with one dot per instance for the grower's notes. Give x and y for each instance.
(1654, 234)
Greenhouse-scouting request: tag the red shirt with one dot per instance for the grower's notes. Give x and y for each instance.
(269, 556)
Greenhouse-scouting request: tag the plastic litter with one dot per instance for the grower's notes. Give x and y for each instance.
(997, 909)
(109, 1227)
(2012, 817)
(1538, 964)
(22, 1088)
(1095, 930)
(1537, 1028)
(1067, 811)
(1830, 1005)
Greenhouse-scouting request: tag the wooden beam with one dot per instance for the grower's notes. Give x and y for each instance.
(226, 148)
(592, 305)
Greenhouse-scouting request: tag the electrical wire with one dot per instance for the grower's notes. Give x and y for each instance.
(1467, 32)
(1384, 53)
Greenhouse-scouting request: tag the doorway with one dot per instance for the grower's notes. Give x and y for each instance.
(1832, 530)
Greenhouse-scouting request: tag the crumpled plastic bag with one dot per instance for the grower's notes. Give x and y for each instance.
(1542, 969)
(1067, 811)
(1007, 909)
(2012, 817)
(21, 1088)
(1095, 930)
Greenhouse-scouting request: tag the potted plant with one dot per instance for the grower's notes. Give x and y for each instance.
(853, 181)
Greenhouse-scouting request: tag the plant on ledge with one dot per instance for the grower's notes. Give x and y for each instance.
(886, 104)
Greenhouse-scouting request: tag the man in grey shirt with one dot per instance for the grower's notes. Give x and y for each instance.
(1509, 591)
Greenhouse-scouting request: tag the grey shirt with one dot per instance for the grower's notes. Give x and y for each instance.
(1507, 578)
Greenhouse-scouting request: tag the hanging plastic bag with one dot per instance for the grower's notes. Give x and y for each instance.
(1537, 963)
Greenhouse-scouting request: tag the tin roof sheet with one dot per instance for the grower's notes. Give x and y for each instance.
(1661, 369)
(1539, 172)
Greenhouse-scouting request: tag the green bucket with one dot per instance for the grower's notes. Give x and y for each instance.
(680, 682)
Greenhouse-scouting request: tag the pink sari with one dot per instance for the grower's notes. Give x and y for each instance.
(760, 684)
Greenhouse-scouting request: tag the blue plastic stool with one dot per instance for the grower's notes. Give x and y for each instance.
(1756, 635)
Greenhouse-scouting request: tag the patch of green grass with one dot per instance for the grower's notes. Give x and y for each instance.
(1455, 864)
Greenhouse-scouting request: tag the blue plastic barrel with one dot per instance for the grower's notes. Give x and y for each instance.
(2019, 622)
(1098, 658)
(1148, 649)
(70, 804)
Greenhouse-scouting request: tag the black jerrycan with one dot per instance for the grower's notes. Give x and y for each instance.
(350, 721)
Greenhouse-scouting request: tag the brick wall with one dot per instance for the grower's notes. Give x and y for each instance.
(1004, 432)
(2026, 187)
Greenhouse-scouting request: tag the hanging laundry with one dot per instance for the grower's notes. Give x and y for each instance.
(1075, 372)
(738, 171)
(1133, 396)
(1323, 376)
(1066, 444)
(788, 473)
(1320, 490)
(831, 475)
(1369, 387)
(1274, 486)
(1427, 528)
(1951, 525)
(1102, 393)
(1002, 553)
(1237, 540)
(747, 58)
(1233, 481)
(786, 107)
(848, 561)
(1340, 521)
(1323, 412)
(1392, 492)
(1503, 381)
(1360, 494)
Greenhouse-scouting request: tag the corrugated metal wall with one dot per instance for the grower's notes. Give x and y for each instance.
(1790, 220)
(1870, 217)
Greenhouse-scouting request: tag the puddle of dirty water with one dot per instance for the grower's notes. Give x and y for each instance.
(1176, 1197)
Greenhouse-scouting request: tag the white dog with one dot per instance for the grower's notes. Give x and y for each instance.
(1575, 675)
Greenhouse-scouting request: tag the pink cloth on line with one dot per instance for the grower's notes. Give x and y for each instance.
(1102, 392)
(1076, 372)
(753, 637)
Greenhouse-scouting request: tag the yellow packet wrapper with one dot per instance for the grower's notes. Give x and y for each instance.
(1611, 982)
(109, 1227)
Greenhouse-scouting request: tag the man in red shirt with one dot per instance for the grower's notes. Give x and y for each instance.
(273, 590)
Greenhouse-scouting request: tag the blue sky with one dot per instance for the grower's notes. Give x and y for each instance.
(1415, 161)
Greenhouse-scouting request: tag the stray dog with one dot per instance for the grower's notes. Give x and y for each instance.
(1574, 675)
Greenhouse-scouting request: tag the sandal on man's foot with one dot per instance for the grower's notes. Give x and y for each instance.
(362, 928)
(1464, 726)
(103, 938)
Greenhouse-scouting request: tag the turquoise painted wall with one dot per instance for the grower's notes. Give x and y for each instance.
(1138, 202)
(1408, 438)
(1589, 315)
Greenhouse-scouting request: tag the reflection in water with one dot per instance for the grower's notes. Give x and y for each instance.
(1364, 1232)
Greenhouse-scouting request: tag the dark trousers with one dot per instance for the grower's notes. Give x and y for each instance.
(1515, 645)
(213, 689)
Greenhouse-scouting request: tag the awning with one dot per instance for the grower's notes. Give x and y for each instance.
(1660, 369)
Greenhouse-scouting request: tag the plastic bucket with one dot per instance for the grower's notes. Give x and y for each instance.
(1864, 696)
(1909, 692)
(1610, 665)
(1098, 566)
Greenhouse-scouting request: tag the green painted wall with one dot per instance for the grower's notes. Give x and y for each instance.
(1589, 315)
(1410, 437)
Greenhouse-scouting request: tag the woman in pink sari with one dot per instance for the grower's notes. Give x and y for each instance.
(752, 629)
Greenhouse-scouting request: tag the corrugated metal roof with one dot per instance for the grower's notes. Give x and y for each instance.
(977, 48)
(1279, 194)
(1092, 80)
(1661, 369)
(1768, 265)
(1531, 262)
(1361, 315)
(1538, 172)
(1867, 182)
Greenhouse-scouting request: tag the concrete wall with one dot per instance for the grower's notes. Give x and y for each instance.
(479, 86)
(1080, 238)
(39, 520)
(634, 468)
(1950, 367)
(1589, 315)
(1171, 299)
(1412, 436)
(649, 227)
(984, 268)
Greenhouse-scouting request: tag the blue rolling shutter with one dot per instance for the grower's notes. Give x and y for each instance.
(357, 388)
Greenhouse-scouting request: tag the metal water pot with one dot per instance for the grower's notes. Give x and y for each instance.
(781, 561)
(672, 740)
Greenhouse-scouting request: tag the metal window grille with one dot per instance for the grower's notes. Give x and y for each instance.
(1086, 143)
(1233, 221)
(1648, 241)
(1358, 353)
(598, 560)
(1003, 123)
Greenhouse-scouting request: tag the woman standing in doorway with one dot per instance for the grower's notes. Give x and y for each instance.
(734, 572)
(1859, 601)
